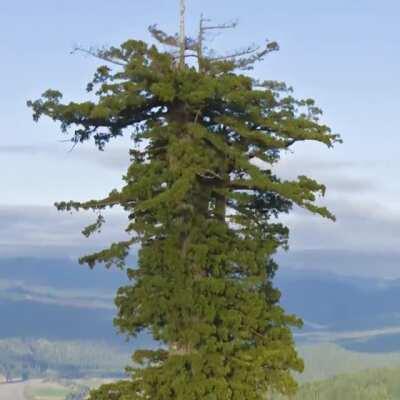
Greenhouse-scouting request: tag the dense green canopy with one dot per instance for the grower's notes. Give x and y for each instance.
(203, 203)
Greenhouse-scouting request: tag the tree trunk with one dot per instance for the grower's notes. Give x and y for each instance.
(200, 44)
(182, 35)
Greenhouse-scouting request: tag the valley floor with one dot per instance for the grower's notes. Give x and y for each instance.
(12, 391)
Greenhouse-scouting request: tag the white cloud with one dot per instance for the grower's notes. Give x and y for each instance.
(43, 231)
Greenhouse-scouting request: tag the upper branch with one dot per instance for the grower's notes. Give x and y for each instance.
(100, 54)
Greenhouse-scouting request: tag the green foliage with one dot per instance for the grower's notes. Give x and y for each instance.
(202, 200)
(122, 390)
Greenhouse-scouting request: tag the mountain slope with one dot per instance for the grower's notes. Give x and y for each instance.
(58, 299)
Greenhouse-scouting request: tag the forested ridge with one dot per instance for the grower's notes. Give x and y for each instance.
(44, 358)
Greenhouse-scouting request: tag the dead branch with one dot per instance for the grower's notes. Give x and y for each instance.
(97, 54)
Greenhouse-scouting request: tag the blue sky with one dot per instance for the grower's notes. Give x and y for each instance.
(344, 54)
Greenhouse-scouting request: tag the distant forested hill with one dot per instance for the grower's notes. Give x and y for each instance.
(359, 313)
(62, 273)
(60, 302)
(27, 319)
(59, 299)
(67, 359)
(339, 302)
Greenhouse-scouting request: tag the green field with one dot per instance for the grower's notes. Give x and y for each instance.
(379, 384)
(47, 392)
(327, 360)
(51, 392)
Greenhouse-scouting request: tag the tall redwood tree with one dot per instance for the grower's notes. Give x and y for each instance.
(203, 202)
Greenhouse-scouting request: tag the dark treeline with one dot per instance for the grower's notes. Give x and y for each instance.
(73, 360)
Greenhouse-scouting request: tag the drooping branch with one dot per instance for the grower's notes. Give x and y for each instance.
(114, 255)
(89, 117)
(239, 53)
(162, 37)
(243, 59)
(228, 25)
(97, 53)
(201, 36)
(171, 40)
